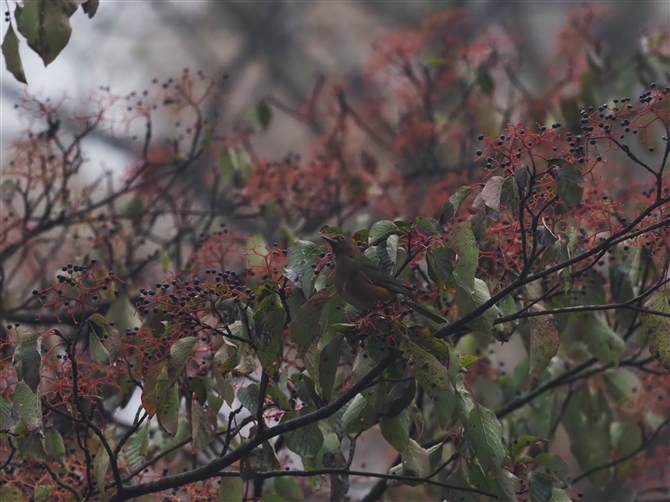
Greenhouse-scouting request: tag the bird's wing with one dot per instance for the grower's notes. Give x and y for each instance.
(379, 277)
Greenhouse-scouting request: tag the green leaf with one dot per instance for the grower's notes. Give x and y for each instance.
(361, 235)
(307, 322)
(167, 404)
(100, 467)
(465, 361)
(206, 391)
(468, 301)
(27, 358)
(359, 416)
(465, 402)
(432, 376)
(149, 390)
(428, 224)
(511, 191)
(425, 339)
(624, 386)
(231, 489)
(10, 50)
(30, 446)
(46, 27)
(10, 494)
(234, 167)
(522, 178)
(29, 406)
(566, 248)
(226, 388)
(226, 359)
(307, 440)
(271, 497)
(254, 462)
(289, 489)
(457, 480)
(522, 442)
(586, 420)
(480, 221)
(556, 466)
(485, 433)
(8, 415)
(328, 363)
(568, 179)
(263, 114)
(435, 456)
(278, 397)
(601, 340)
(135, 453)
(271, 332)
(178, 357)
(199, 389)
(386, 253)
(450, 208)
(381, 231)
(203, 424)
(55, 445)
(440, 263)
(559, 495)
(42, 493)
(110, 333)
(463, 243)
(387, 398)
(657, 329)
(98, 351)
(415, 460)
(626, 439)
(506, 486)
(249, 396)
(299, 260)
(503, 331)
(396, 430)
(544, 341)
(539, 487)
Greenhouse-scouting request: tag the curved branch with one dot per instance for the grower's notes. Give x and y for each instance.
(60, 482)
(216, 465)
(640, 449)
(347, 472)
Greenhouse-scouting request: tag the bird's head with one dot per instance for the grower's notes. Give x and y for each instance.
(341, 246)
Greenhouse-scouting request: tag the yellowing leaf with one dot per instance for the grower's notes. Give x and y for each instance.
(657, 329)
(149, 390)
(544, 341)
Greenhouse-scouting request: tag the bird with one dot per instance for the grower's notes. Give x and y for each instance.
(364, 284)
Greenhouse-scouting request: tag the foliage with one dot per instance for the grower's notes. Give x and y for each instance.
(236, 351)
(45, 25)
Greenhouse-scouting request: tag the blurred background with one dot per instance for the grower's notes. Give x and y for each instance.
(279, 48)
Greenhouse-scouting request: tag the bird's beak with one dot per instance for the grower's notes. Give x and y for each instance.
(329, 239)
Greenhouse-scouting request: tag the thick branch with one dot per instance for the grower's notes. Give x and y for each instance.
(216, 465)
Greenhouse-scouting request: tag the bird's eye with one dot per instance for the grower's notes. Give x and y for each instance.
(340, 238)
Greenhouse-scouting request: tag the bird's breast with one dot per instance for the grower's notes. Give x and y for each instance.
(356, 289)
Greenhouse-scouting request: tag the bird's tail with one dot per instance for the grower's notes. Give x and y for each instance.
(429, 313)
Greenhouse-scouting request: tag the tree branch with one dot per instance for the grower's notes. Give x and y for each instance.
(213, 467)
